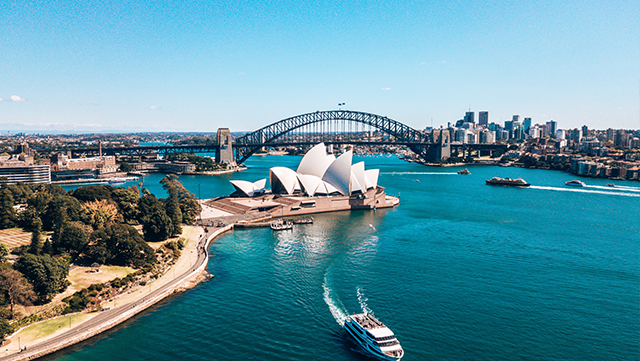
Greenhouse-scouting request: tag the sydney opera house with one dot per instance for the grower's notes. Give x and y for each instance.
(321, 183)
(318, 173)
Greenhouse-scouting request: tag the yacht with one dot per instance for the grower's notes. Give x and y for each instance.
(575, 183)
(497, 181)
(374, 337)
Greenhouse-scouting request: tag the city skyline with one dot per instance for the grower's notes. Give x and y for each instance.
(154, 67)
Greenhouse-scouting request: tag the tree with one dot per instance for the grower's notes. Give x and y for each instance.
(92, 193)
(35, 245)
(47, 274)
(47, 248)
(98, 213)
(4, 252)
(127, 202)
(60, 210)
(156, 224)
(125, 167)
(16, 288)
(119, 244)
(189, 206)
(72, 238)
(173, 211)
(7, 213)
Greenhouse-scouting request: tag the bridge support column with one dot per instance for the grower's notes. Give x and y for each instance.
(224, 153)
(441, 148)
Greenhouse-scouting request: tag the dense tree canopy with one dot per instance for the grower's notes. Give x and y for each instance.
(92, 193)
(7, 213)
(72, 238)
(156, 224)
(119, 244)
(15, 288)
(47, 274)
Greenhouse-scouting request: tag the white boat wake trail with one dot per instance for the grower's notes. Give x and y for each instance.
(363, 301)
(335, 306)
(428, 173)
(617, 188)
(624, 194)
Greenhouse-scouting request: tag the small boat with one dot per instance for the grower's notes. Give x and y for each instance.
(281, 226)
(117, 181)
(464, 171)
(610, 185)
(497, 181)
(303, 220)
(575, 183)
(376, 339)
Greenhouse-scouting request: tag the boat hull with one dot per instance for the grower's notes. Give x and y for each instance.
(365, 346)
(508, 184)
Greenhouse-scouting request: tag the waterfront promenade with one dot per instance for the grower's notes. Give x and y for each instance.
(182, 275)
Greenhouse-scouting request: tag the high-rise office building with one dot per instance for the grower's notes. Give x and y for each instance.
(552, 126)
(508, 126)
(527, 124)
(483, 118)
(585, 130)
(516, 118)
(469, 117)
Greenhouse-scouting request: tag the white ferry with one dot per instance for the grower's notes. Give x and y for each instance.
(374, 337)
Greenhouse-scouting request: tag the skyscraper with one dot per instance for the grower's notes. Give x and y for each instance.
(527, 124)
(552, 126)
(469, 117)
(483, 118)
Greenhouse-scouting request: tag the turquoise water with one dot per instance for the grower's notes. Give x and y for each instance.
(459, 271)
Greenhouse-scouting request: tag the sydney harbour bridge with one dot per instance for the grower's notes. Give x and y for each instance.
(331, 127)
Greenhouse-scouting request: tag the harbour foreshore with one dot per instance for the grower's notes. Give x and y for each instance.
(131, 306)
(128, 306)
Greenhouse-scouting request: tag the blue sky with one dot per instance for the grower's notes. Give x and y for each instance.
(197, 66)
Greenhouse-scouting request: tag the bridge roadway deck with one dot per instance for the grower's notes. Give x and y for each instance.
(110, 318)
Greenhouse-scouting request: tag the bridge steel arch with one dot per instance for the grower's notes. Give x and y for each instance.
(250, 143)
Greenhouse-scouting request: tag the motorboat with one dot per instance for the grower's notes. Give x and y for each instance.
(610, 185)
(575, 183)
(376, 339)
(464, 171)
(281, 225)
(497, 181)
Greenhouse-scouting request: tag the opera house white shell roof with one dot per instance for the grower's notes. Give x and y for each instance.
(318, 173)
(248, 188)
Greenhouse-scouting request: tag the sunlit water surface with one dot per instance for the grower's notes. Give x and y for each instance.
(459, 271)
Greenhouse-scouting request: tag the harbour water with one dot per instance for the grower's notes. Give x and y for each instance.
(459, 271)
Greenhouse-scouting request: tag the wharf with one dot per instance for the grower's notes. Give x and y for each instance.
(243, 211)
(94, 180)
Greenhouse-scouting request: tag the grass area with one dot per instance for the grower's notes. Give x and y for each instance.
(187, 231)
(14, 237)
(46, 328)
(80, 277)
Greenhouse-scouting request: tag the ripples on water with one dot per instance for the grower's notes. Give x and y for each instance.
(459, 271)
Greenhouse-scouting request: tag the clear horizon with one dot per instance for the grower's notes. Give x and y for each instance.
(136, 67)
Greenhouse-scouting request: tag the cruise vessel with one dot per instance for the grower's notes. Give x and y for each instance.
(374, 337)
(575, 183)
(497, 181)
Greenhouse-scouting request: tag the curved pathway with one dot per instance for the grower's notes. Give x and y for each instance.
(110, 318)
